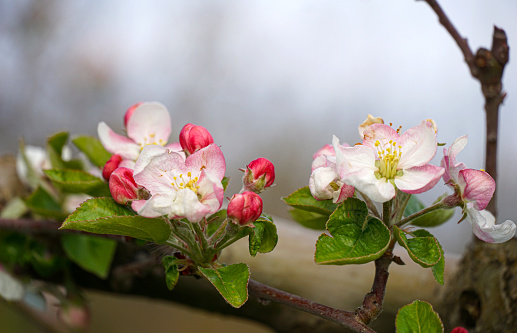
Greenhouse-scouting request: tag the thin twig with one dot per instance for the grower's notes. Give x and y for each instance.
(344, 318)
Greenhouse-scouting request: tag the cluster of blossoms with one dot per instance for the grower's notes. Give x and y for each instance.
(387, 161)
(178, 180)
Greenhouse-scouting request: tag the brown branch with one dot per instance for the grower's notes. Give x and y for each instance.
(487, 67)
(344, 318)
(462, 42)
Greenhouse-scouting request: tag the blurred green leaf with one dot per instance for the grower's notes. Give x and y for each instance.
(308, 219)
(93, 149)
(55, 145)
(432, 219)
(77, 181)
(14, 209)
(42, 203)
(91, 253)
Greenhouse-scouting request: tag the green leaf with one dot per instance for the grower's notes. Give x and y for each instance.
(77, 181)
(439, 268)
(264, 237)
(432, 219)
(225, 182)
(42, 203)
(303, 199)
(91, 253)
(171, 271)
(32, 176)
(414, 205)
(105, 216)
(356, 238)
(309, 219)
(55, 144)
(231, 282)
(93, 149)
(215, 220)
(422, 248)
(44, 262)
(416, 317)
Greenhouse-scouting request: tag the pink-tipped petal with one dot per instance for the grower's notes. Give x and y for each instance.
(484, 227)
(456, 147)
(479, 187)
(419, 179)
(210, 159)
(150, 123)
(418, 145)
(210, 192)
(117, 144)
(147, 154)
(352, 159)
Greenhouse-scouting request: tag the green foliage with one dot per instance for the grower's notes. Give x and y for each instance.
(303, 199)
(225, 181)
(356, 238)
(93, 149)
(432, 219)
(231, 282)
(215, 220)
(91, 253)
(42, 203)
(105, 216)
(263, 237)
(439, 268)
(423, 248)
(418, 317)
(172, 272)
(77, 181)
(308, 219)
(14, 209)
(55, 144)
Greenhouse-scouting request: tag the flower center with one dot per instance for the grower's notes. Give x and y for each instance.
(151, 140)
(181, 182)
(389, 157)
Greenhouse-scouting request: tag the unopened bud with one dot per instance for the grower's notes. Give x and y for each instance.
(111, 165)
(244, 208)
(122, 186)
(259, 175)
(130, 112)
(193, 138)
(459, 329)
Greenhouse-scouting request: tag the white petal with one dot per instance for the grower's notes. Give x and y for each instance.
(419, 179)
(319, 183)
(484, 227)
(418, 145)
(150, 123)
(378, 190)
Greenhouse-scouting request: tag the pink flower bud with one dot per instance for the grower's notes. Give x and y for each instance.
(244, 208)
(129, 113)
(193, 138)
(122, 186)
(111, 165)
(259, 175)
(459, 329)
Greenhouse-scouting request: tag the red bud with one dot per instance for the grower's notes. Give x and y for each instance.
(244, 208)
(193, 138)
(122, 186)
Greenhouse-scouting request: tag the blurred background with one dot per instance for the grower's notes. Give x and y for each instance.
(268, 78)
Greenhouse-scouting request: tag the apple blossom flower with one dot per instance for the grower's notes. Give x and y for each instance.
(324, 182)
(193, 138)
(147, 123)
(180, 187)
(258, 175)
(387, 161)
(244, 208)
(475, 188)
